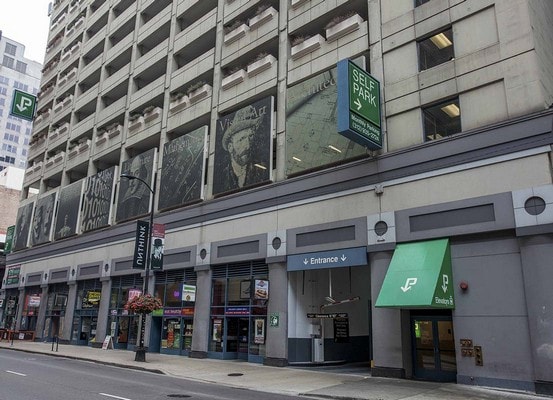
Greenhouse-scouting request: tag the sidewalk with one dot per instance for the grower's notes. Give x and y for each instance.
(291, 381)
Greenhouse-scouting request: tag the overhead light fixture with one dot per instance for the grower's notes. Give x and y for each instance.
(334, 148)
(441, 41)
(451, 110)
(260, 166)
(296, 159)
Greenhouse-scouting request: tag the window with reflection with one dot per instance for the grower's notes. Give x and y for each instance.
(442, 119)
(436, 50)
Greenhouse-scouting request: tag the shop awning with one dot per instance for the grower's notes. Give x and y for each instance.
(419, 276)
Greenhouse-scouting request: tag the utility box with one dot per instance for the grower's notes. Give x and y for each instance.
(317, 349)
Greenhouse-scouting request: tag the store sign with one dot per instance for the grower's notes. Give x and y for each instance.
(34, 301)
(92, 299)
(261, 289)
(328, 259)
(12, 277)
(237, 311)
(358, 105)
(189, 292)
(141, 241)
(134, 293)
(9, 239)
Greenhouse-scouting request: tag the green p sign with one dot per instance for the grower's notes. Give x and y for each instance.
(23, 105)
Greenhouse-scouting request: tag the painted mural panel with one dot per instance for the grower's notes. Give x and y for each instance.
(182, 172)
(243, 148)
(134, 196)
(43, 219)
(22, 226)
(97, 200)
(67, 220)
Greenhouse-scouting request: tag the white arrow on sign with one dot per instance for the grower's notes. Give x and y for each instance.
(358, 104)
(445, 282)
(409, 283)
(343, 258)
(24, 103)
(305, 261)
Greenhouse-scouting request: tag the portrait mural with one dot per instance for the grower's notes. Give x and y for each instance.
(69, 205)
(182, 171)
(243, 147)
(312, 138)
(43, 219)
(23, 222)
(97, 199)
(134, 196)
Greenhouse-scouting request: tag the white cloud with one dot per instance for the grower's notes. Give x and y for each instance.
(26, 22)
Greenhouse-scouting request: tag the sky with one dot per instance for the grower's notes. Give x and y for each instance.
(26, 22)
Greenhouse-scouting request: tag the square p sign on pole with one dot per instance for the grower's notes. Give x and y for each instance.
(23, 105)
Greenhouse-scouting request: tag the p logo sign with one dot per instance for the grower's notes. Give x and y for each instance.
(23, 105)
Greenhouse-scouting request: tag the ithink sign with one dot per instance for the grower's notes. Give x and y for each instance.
(139, 259)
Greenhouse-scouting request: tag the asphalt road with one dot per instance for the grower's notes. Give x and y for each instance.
(25, 376)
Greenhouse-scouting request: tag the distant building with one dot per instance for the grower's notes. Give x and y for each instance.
(16, 72)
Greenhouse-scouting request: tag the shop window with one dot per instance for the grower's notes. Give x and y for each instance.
(441, 120)
(436, 50)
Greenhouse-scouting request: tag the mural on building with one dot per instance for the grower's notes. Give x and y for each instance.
(243, 148)
(97, 199)
(22, 225)
(43, 219)
(68, 210)
(134, 196)
(182, 169)
(312, 139)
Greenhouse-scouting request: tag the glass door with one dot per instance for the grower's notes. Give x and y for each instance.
(433, 348)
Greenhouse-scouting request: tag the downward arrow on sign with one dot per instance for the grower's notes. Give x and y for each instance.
(358, 104)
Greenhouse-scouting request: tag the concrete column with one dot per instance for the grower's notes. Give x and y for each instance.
(386, 324)
(200, 335)
(536, 253)
(277, 336)
(103, 310)
(20, 305)
(39, 332)
(65, 335)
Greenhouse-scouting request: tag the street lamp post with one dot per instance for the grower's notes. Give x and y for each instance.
(140, 354)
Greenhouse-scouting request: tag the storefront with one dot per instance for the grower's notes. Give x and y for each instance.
(122, 326)
(10, 302)
(85, 318)
(172, 326)
(29, 315)
(239, 298)
(55, 310)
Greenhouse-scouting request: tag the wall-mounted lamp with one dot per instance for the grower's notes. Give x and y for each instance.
(464, 286)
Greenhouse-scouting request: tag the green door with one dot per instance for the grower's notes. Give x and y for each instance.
(433, 348)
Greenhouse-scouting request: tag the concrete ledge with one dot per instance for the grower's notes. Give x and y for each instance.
(275, 362)
(386, 372)
(198, 354)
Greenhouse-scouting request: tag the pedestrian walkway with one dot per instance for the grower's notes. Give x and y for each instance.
(331, 384)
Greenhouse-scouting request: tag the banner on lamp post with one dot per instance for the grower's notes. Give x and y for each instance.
(158, 243)
(9, 239)
(139, 259)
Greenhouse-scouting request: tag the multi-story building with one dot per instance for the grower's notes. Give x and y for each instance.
(283, 241)
(20, 73)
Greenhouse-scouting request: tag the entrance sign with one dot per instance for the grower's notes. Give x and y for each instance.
(419, 276)
(359, 105)
(328, 259)
(23, 105)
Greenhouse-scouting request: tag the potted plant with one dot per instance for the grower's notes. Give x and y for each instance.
(143, 304)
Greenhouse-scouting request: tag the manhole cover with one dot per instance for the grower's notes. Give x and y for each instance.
(235, 374)
(179, 396)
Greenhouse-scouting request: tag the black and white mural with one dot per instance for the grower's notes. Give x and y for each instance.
(67, 220)
(97, 200)
(43, 219)
(22, 226)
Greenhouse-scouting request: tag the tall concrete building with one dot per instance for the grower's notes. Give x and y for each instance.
(425, 250)
(16, 73)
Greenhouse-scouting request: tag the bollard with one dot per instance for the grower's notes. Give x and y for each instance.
(53, 340)
(57, 343)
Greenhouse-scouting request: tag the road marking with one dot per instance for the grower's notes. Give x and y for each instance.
(15, 373)
(113, 397)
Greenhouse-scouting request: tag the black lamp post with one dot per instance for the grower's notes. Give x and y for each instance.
(140, 354)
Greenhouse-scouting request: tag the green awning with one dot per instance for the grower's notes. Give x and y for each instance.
(419, 276)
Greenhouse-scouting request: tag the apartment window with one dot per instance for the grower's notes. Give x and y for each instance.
(436, 50)
(13, 127)
(21, 67)
(420, 2)
(4, 80)
(3, 91)
(8, 62)
(11, 49)
(20, 86)
(441, 120)
(2, 101)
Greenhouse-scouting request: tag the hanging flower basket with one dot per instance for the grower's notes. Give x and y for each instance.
(143, 304)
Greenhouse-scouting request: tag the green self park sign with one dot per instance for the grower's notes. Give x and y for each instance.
(359, 105)
(23, 105)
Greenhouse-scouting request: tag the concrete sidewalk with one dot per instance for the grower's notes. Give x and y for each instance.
(311, 382)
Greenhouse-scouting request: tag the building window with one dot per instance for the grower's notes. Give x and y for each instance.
(8, 62)
(3, 91)
(10, 49)
(420, 2)
(436, 50)
(20, 86)
(4, 80)
(441, 120)
(2, 101)
(21, 67)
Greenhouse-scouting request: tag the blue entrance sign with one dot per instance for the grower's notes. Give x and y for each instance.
(328, 259)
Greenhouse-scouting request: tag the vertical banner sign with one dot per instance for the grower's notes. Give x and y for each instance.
(158, 243)
(9, 239)
(139, 259)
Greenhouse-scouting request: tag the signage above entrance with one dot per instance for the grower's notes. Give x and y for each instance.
(328, 259)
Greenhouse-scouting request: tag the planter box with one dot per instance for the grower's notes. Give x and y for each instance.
(178, 104)
(59, 157)
(58, 106)
(233, 79)
(343, 28)
(308, 46)
(54, 134)
(101, 139)
(236, 34)
(84, 146)
(67, 101)
(152, 115)
(49, 162)
(260, 65)
(73, 152)
(63, 129)
(260, 19)
(115, 131)
(297, 3)
(135, 124)
(199, 93)
(37, 166)
(66, 54)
